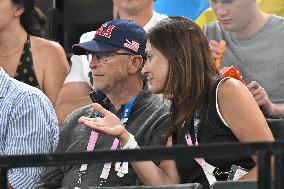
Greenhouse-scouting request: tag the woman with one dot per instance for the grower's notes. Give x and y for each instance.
(23, 54)
(205, 107)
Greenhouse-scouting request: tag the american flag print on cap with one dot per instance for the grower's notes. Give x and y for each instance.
(114, 35)
(133, 45)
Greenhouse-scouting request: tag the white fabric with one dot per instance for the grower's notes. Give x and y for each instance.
(154, 20)
(217, 106)
(79, 71)
(209, 172)
(131, 143)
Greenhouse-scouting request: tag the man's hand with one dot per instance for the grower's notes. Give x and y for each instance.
(215, 48)
(258, 93)
(261, 98)
(109, 124)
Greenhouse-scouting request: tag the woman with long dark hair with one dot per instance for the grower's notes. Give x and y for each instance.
(24, 54)
(205, 108)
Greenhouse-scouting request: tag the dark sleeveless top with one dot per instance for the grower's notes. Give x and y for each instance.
(25, 70)
(210, 130)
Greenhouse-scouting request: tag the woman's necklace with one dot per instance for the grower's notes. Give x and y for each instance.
(11, 53)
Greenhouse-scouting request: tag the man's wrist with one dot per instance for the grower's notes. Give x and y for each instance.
(267, 110)
(124, 137)
(272, 111)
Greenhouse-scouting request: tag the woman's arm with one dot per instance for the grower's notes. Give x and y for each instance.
(241, 112)
(166, 173)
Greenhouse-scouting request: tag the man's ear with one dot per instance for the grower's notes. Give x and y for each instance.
(136, 64)
(19, 10)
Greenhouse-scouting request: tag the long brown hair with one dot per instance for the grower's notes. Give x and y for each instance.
(32, 19)
(192, 72)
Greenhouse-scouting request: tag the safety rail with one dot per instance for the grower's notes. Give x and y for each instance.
(263, 151)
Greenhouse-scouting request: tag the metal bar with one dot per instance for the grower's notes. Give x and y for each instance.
(228, 150)
(53, 4)
(279, 170)
(224, 150)
(65, 26)
(264, 173)
(3, 179)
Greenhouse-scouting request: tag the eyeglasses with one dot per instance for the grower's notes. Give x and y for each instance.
(104, 57)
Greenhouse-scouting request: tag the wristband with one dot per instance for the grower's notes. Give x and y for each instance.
(131, 143)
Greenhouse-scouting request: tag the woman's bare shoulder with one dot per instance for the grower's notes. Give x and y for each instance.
(47, 49)
(45, 45)
(232, 87)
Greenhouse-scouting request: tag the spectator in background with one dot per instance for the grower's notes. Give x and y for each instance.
(24, 55)
(28, 125)
(117, 55)
(78, 83)
(205, 108)
(268, 6)
(255, 46)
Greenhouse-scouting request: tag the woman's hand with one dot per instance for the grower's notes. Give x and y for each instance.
(109, 124)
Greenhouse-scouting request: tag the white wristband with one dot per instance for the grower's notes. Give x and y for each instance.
(131, 143)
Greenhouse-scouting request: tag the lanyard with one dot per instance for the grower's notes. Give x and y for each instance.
(207, 168)
(94, 135)
(92, 143)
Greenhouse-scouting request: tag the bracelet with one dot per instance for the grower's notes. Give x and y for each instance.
(131, 143)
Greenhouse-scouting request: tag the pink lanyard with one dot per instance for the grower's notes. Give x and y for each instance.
(93, 140)
(207, 168)
(94, 135)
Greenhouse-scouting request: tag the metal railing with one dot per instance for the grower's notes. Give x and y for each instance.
(263, 151)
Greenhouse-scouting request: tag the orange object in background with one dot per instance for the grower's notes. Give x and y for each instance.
(218, 61)
(231, 71)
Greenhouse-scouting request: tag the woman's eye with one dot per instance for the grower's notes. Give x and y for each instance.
(148, 56)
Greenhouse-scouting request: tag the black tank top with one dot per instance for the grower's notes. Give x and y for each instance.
(25, 70)
(211, 130)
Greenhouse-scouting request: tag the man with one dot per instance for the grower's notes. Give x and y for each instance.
(117, 53)
(268, 6)
(78, 84)
(28, 126)
(255, 46)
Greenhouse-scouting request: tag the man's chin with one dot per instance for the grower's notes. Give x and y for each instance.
(229, 28)
(98, 87)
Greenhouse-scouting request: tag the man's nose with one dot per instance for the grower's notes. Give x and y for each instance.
(93, 63)
(221, 10)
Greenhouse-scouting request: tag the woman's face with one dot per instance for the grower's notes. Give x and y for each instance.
(8, 12)
(156, 69)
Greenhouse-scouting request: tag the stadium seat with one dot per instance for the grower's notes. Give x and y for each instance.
(243, 184)
(176, 186)
(277, 128)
